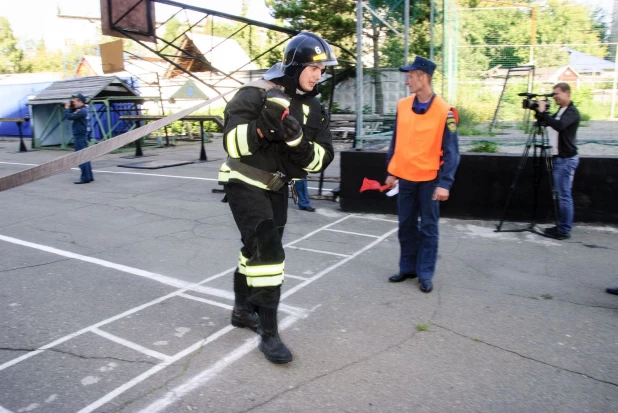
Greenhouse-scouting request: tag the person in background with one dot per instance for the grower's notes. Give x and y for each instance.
(423, 157)
(563, 123)
(77, 112)
(304, 202)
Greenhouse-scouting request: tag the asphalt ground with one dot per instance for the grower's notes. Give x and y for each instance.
(115, 296)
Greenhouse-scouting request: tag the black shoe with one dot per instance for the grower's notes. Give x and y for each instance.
(80, 182)
(426, 286)
(613, 291)
(245, 319)
(401, 277)
(274, 350)
(554, 232)
(271, 345)
(309, 209)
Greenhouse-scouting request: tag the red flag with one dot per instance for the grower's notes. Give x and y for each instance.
(370, 185)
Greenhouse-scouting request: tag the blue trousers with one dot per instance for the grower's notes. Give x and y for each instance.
(79, 143)
(303, 193)
(564, 172)
(418, 240)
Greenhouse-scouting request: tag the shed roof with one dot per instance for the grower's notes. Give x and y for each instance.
(218, 54)
(91, 87)
(585, 63)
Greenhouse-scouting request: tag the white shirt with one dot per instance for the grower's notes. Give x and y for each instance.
(552, 134)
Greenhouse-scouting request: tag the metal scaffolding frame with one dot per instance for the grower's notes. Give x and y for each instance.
(186, 55)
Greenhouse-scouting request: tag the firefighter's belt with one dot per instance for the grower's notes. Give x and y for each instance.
(271, 180)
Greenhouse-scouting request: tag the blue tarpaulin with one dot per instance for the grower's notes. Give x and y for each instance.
(14, 104)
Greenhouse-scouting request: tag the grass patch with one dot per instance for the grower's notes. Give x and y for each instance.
(477, 340)
(422, 327)
(467, 129)
(484, 146)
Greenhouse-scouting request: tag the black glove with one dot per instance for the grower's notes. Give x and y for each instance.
(275, 110)
(292, 131)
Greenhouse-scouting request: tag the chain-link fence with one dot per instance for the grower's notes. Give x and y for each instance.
(485, 57)
(499, 59)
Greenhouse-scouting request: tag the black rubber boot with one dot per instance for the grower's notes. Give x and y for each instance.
(243, 314)
(272, 347)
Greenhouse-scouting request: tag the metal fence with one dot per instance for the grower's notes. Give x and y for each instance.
(485, 57)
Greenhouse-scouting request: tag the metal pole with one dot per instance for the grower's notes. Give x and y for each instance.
(203, 149)
(406, 40)
(359, 71)
(612, 111)
(431, 24)
(444, 47)
(22, 145)
(138, 143)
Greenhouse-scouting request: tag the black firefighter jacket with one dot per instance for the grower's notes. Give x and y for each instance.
(241, 140)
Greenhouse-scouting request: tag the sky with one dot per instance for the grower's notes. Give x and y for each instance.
(27, 24)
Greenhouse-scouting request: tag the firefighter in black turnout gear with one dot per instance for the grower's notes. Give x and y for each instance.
(275, 130)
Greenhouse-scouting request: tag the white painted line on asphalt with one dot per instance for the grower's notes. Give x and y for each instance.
(376, 218)
(87, 329)
(204, 300)
(159, 175)
(146, 174)
(174, 282)
(340, 263)
(123, 173)
(214, 292)
(295, 277)
(17, 163)
(138, 308)
(135, 381)
(324, 189)
(3, 410)
(317, 230)
(107, 321)
(130, 344)
(320, 252)
(230, 296)
(196, 382)
(352, 233)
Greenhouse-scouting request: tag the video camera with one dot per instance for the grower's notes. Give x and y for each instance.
(533, 104)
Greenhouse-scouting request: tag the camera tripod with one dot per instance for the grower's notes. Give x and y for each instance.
(541, 162)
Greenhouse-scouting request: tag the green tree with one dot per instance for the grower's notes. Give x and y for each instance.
(11, 57)
(334, 20)
(558, 22)
(418, 36)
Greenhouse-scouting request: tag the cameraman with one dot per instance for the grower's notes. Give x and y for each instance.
(564, 123)
(77, 111)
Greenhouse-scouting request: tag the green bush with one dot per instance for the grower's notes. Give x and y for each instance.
(467, 129)
(484, 146)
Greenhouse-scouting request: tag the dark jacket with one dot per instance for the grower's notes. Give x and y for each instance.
(240, 132)
(566, 128)
(80, 120)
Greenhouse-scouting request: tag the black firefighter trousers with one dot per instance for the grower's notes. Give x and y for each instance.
(260, 215)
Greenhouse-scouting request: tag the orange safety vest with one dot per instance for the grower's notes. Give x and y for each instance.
(418, 143)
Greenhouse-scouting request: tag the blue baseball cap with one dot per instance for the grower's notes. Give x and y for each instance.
(420, 63)
(80, 97)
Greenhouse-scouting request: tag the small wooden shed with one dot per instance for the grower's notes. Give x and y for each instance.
(107, 97)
